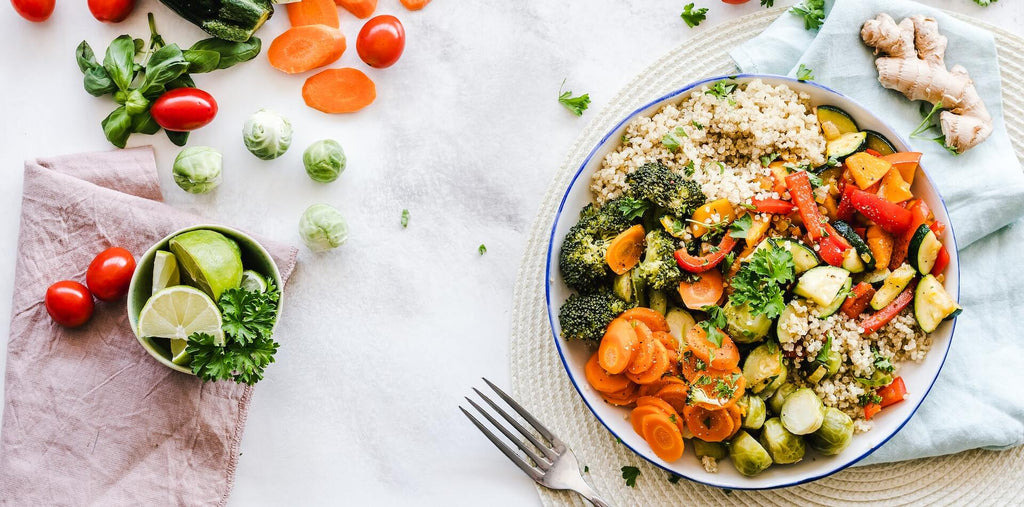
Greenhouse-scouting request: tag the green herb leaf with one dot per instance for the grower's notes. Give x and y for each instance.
(759, 283)
(117, 126)
(229, 53)
(697, 125)
(929, 120)
(143, 123)
(85, 57)
(804, 73)
(575, 105)
(97, 83)
(882, 363)
(739, 227)
(630, 473)
(766, 160)
(985, 3)
(249, 316)
(813, 12)
(136, 103)
(688, 169)
(164, 66)
(693, 17)
(826, 349)
(405, 218)
(177, 138)
(722, 89)
(631, 208)
(673, 478)
(120, 60)
(482, 249)
(669, 141)
(201, 60)
(715, 321)
(767, 3)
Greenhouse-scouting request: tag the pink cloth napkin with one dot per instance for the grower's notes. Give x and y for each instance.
(89, 417)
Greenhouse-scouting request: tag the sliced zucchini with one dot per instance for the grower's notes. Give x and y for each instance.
(846, 231)
(924, 249)
(879, 143)
(839, 118)
(743, 325)
(803, 257)
(679, 323)
(622, 286)
(762, 366)
(846, 145)
(893, 285)
(932, 304)
(833, 307)
(876, 277)
(657, 300)
(802, 412)
(852, 262)
(822, 284)
(815, 372)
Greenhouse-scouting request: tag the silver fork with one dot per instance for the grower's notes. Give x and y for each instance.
(557, 469)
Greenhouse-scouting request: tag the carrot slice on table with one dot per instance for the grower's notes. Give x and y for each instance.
(706, 290)
(313, 12)
(663, 436)
(603, 381)
(617, 347)
(708, 425)
(644, 357)
(344, 90)
(625, 250)
(675, 395)
(657, 370)
(361, 9)
(724, 357)
(304, 48)
(415, 5)
(636, 417)
(654, 320)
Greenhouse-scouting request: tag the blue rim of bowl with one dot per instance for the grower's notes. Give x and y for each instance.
(551, 245)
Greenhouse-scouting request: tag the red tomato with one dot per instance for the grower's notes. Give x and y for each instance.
(34, 10)
(110, 272)
(735, 1)
(184, 109)
(381, 41)
(69, 303)
(113, 11)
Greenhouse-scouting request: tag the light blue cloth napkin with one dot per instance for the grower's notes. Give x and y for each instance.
(977, 402)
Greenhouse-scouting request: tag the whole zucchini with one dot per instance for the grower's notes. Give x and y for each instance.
(233, 20)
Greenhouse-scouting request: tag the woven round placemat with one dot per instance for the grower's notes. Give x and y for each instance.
(540, 383)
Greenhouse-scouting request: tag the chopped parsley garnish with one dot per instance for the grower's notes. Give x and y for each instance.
(630, 473)
(625, 139)
(759, 282)
(405, 218)
(586, 469)
(688, 169)
(482, 249)
(723, 390)
(632, 208)
(767, 3)
(722, 89)
(766, 160)
(985, 3)
(715, 321)
(697, 125)
(804, 73)
(670, 142)
(575, 105)
(739, 227)
(693, 17)
(727, 262)
(826, 349)
(813, 12)
(882, 363)
(868, 398)
(674, 479)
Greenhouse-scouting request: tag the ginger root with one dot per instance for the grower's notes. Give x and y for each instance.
(911, 62)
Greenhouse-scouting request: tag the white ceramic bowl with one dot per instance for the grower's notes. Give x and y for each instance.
(919, 377)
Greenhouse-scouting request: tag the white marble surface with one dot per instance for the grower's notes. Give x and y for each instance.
(383, 337)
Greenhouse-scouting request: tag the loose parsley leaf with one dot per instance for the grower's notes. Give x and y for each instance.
(722, 89)
(693, 17)
(766, 160)
(697, 125)
(882, 363)
(929, 120)
(985, 3)
(767, 3)
(405, 218)
(868, 398)
(674, 478)
(804, 73)
(482, 249)
(670, 142)
(586, 469)
(716, 320)
(813, 12)
(575, 105)
(759, 282)
(632, 208)
(826, 349)
(630, 473)
(739, 227)
(688, 169)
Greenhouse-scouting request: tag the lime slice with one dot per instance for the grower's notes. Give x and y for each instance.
(208, 258)
(253, 281)
(177, 312)
(165, 271)
(178, 354)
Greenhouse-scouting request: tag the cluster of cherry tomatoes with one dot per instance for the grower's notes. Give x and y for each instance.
(112, 11)
(70, 303)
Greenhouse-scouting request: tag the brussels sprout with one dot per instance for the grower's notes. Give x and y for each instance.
(657, 300)
(679, 323)
(784, 447)
(754, 411)
(802, 412)
(322, 228)
(716, 450)
(763, 366)
(835, 433)
(774, 386)
(747, 455)
(878, 378)
(267, 134)
(197, 169)
(835, 360)
(324, 160)
(777, 399)
(743, 325)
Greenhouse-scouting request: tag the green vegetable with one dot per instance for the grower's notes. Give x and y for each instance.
(658, 269)
(759, 283)
(630, 474)
(813, 12)
(323, 228)
(835, 433)
(405, 218)
(482, 249)
(231, 20)
(767, 3)
(575, 105)
(581, 259)
(267, 134)
(197, 169)
(716, 450)
(744, 326)
(802, 412)
(755, 411)
(693, 17)
(324, 160)
(660, 185)
(784, 447)
(586, 317)
(804, 73)
(985, 3)
(721, 89)
(747, 455)
(777, 399)
(762, 366)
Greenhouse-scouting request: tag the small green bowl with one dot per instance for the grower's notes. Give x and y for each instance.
(254, 257)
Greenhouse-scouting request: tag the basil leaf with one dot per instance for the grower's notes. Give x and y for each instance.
(117, 126)
(201, 60)
(139, 45)
(165, 65)
(119, 60)
(143, 123)
(97, 82)
(183, 81)
(85, 57)
(136, 103)
(178, 138)
(230, 53)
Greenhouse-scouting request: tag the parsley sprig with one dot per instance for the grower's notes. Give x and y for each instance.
(813, 12)
(985, 3)
(630, 473)
(715, 322)
(631, 208)
(759, 283)
(693, 17)
(804, 73)
(575, 105)
(721, 89)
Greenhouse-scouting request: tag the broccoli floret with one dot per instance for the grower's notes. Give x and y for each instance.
(586, 317)
(659, 269)
(582, 258)
(660, 185)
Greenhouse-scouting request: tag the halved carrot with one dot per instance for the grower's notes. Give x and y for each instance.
(717, 389)
(675, 395)
(617, 347)
(657, 370)
(622, 398)
(644, 357)
(654, 320)
(637, 416)
(361, 9)
(345, 90)
(313, 12)
(625, 250)
(415, 5)
(737, 418)
(663, 436)
(724, 357)
(708, 425)
(304, 48)
(602, 380)
(707, 290)
(652, 388)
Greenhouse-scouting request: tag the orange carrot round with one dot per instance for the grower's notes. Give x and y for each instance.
(415, 5)
(304, 48)
(657, 370)
(724, 357)
(636, 417)
(602, 380)
(361, 9)
(345, 90)
(625, 250)
(707, 290)
(675, 395)
(737, 418)
(622, 398)
(654, 401)
(654, 320)
(617, 347)
(708, 425)
(720, 389)
(313, 12)
(653, 388)
(668, 341)
(645, 350)
(663, 436)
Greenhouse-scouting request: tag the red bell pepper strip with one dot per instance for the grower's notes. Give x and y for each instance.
(705, 263)
(937, 227)
(871, 409)
(846, 209)
(800, 189)
(858, 301)
(883, 316)
(832, 248)
(919, 213)
(869, 151)
(891, 217)
(893, 393)
(941, 261)
(774, 206)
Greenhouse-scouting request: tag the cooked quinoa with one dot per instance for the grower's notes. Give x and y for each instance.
(724, 139)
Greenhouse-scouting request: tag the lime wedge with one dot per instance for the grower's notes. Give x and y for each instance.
(177, 312)
(253, 281)
(165, 271)
(178, 354)
(209, 259)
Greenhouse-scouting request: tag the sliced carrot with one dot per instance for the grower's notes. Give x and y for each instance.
(625, 250)
(602, 380)
(724, 357)
(675, 395)
(707, 290)
(654, 320)
(718, 389)
(668, 341)
(622, 398)
(652, 388)
(709, 425)
(691, 367)
(304, 48)
(644, 357)
(415, 5)
(737, 418)
(345, 90)
(313, 12)
(664, 437)
(617, 347)
(637, 415)
(661, 365)
(644, 401)
(361, 9)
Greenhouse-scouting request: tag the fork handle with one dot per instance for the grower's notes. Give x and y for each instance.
(587, 492)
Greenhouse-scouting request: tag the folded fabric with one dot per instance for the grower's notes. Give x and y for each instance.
(973, 404)
(89, 417)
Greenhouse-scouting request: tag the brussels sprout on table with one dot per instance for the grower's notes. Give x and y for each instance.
(784, 447)
(323, 228)
(802, 412)
(755, 411)
(267, 134)
(747, 455)
(197, 169)
(835, 433)
(324, 160)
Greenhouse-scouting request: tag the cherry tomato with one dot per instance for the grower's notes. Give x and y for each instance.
(34, 10)
(69, 303)
(735, 1)
(113, 11)
(184, 109)
(110, 273)
(381, 41)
